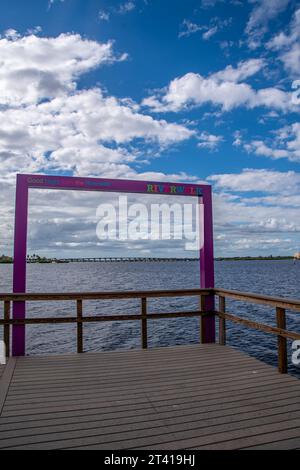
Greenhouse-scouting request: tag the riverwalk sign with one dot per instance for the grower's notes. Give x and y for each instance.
(26, 182)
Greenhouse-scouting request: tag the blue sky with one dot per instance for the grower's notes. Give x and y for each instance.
(190, 91)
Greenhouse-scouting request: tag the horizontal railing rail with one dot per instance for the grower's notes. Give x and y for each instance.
(289, 304)
(105, 295)
(279, 303)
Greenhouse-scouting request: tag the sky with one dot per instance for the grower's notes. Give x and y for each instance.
(197, 91)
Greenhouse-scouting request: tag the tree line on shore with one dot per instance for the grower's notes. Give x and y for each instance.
(4, 259)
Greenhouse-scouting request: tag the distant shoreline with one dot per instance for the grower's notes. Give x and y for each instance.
(40, 260)
(255, 258)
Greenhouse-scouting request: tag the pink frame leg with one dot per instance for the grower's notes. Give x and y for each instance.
(207, 278)
(20, 254)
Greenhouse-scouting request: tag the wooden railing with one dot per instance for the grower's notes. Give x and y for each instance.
(280, 304)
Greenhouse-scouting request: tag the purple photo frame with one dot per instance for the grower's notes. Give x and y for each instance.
(25, 182)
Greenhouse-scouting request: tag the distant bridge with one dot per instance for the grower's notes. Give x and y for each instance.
(111, 259)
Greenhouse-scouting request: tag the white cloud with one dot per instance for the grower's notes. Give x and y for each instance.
(289, 45)
(71, 133)
(263, 12)
(210, 33)
(34, 68)
(221, 89)
(188, 28)
(103, 15)
(286, 144)
(80, 132)
(282, 39)
(252, 180)
(122, 9)
(59, 128)
(244, 70)
(215, 24)
(237, 138)
(51, 2)
(209, 3)
(251, 205)
(260, 148)
(291, 59)
(126, 7)
(209, 141)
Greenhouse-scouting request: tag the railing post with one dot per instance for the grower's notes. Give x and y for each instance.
(282, 342)
(202, 319)
(79, 328)
(6, 329)
(144, 323)
(222, 322)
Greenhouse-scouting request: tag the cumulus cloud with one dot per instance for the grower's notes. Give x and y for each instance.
(288, 45)
(253, 180)
(223, 89)
(36, 68)
(244, 70)
(263, 12)
(50, 125)
(270, 206)
(209, 141)
(285, 144)
(72, 133)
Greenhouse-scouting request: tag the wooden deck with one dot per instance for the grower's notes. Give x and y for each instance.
(186, 397)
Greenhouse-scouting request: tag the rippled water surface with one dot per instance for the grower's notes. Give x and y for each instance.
(280, 278)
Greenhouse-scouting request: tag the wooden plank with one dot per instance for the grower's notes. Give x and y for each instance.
(177, 398)
(6, 380)
(190, 397)
(217, 411)
(236, 378)
(132, 376)
(195, 389)
(140, 438)
(187, 430)
(200, 420)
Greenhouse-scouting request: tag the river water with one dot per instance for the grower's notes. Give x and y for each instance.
(279, 278)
